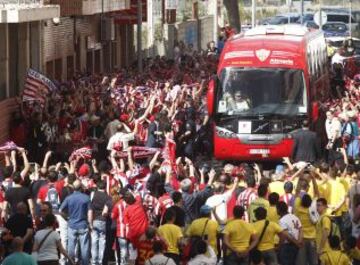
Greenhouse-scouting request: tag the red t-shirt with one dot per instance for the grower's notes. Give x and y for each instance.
(44, 190)
(136, 220)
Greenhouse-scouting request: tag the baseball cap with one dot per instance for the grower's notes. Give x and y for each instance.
(205, 209)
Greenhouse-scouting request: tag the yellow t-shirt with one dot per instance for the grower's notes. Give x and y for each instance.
(278, 187)
(336, 194)
(308, 228)
(272, 214)
(197, 227)
(259, 202)
(239, 233)
(334, 257)
(172, 234)
(268, 240)
(323, 223)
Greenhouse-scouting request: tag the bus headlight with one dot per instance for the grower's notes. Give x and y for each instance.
(226, 133)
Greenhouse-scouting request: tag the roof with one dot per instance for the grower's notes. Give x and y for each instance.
(282, 46)
(288, 30)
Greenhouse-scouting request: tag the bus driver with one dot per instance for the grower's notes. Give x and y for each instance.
(238, 103)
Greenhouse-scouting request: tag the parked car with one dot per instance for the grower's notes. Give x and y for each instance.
(281, 19)
(311, 25)
(335, 29)
(306, 18)
(341, 15)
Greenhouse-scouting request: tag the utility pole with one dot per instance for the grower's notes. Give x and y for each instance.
(253, 13)
(216, 21)
(139, 33)
(150, 28)
(350, 16)
(302, 11)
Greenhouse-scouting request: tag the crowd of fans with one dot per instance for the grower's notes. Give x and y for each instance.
(117, 168)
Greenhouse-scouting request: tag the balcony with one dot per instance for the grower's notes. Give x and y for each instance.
(18, 11)
(90, 7)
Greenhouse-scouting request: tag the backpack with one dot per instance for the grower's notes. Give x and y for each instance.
(53, 197)
(346, 137)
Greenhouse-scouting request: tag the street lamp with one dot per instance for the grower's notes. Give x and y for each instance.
(253, 13)
(350, 16)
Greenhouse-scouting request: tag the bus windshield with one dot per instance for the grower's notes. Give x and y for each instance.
(261, 91)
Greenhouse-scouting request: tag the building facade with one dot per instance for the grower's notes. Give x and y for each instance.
(58, 38)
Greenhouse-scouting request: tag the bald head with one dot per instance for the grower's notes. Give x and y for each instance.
(77, 185)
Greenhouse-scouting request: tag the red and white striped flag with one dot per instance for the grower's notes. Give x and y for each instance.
(8, 146)
(84, 152)
(37, 87)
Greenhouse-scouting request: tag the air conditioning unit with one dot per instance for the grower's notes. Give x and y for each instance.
(107, 29)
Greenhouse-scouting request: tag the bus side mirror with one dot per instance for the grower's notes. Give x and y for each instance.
(210, 96)
(315, 111)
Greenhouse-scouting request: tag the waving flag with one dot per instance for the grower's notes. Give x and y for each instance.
(84, 152)
(139, 152)
(37, 87)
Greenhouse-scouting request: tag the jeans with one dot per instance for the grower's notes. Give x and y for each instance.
(288, 254)
(127, 252)
(81, 235)
(307, 253)
(63, 230)
(270, 257)
(98, 241)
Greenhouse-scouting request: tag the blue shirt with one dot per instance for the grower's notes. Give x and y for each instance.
(77, 206)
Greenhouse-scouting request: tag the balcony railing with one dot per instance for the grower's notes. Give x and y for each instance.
(21, 3)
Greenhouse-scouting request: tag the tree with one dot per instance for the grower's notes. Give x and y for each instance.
(232, 9)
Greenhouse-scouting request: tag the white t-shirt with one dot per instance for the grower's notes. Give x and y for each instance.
(291, 224)
(48, 250)
(124, 138)
(204, 259)
(333, 127)
(220, 202)
(159, 259)
(242, 105)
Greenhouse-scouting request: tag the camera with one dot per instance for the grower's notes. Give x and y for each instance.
(206, 168)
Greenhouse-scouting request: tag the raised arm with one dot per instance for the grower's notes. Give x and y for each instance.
(13, 160)
(93, 164)
(287, 161)
(7, 159)
(26, 168)
(153, 160)
(46, 160)
(131, 163)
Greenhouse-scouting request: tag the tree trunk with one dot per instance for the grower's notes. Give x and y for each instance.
(232, 9)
